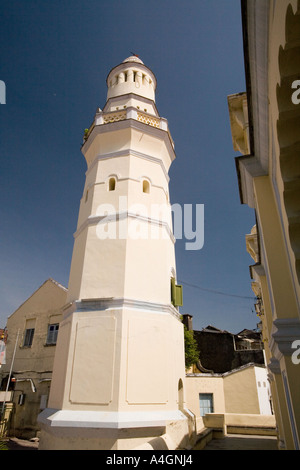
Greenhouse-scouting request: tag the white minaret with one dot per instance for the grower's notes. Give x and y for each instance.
(119, 373)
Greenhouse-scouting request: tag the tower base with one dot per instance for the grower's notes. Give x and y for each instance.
(89, 430)
(118, 379)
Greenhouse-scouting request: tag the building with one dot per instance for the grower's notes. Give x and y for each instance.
(222, 351)
(238, 401)
(30, 348)
(228, 388)
(111, 388)
(265, 130)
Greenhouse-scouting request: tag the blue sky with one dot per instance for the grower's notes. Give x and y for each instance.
(55, 57)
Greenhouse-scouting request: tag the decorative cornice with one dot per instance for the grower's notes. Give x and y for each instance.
(258, 269)
(274, 367)
(117, 216)
(248, 167)
(133, 124)
(284, 332)
(101, 304)
(238, 116)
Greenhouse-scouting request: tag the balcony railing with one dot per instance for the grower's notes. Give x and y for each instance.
(128, 113)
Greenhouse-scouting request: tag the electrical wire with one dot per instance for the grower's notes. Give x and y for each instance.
(216, 291)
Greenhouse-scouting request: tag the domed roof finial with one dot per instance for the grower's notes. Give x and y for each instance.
(133, 58)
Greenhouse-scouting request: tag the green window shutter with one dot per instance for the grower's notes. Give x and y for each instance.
(179, 300)
(176, 294)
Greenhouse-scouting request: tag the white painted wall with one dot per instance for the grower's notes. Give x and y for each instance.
(263, 390)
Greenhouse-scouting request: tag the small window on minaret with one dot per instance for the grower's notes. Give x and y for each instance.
(146, 187)
(112, 184)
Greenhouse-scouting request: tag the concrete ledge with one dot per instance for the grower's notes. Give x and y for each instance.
(249, 423)
(206, 435)
(219, 425)
(203, 438)
(107, 419)
(233, 423)
(255, 430)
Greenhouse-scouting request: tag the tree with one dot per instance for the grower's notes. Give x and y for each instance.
(190, 348)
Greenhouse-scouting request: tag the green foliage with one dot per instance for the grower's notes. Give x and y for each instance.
(191, 348)
(3, 444)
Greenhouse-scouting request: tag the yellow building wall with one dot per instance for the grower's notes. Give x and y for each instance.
(241, 393)
(32, 366)
(204, 384)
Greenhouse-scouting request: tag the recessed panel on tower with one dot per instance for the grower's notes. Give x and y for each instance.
(93, 363)
(147, 365)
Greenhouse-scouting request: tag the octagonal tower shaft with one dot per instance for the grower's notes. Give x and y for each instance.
(119, 361)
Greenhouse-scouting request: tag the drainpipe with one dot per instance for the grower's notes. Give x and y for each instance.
(234, 345)
(33, 387)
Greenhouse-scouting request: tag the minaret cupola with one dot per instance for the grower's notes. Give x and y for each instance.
(131, 76)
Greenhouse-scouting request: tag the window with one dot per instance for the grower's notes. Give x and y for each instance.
(176, 293)
(52, 333)
(112, 184)
(146, 186)
(206, 403)
(28, 338)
